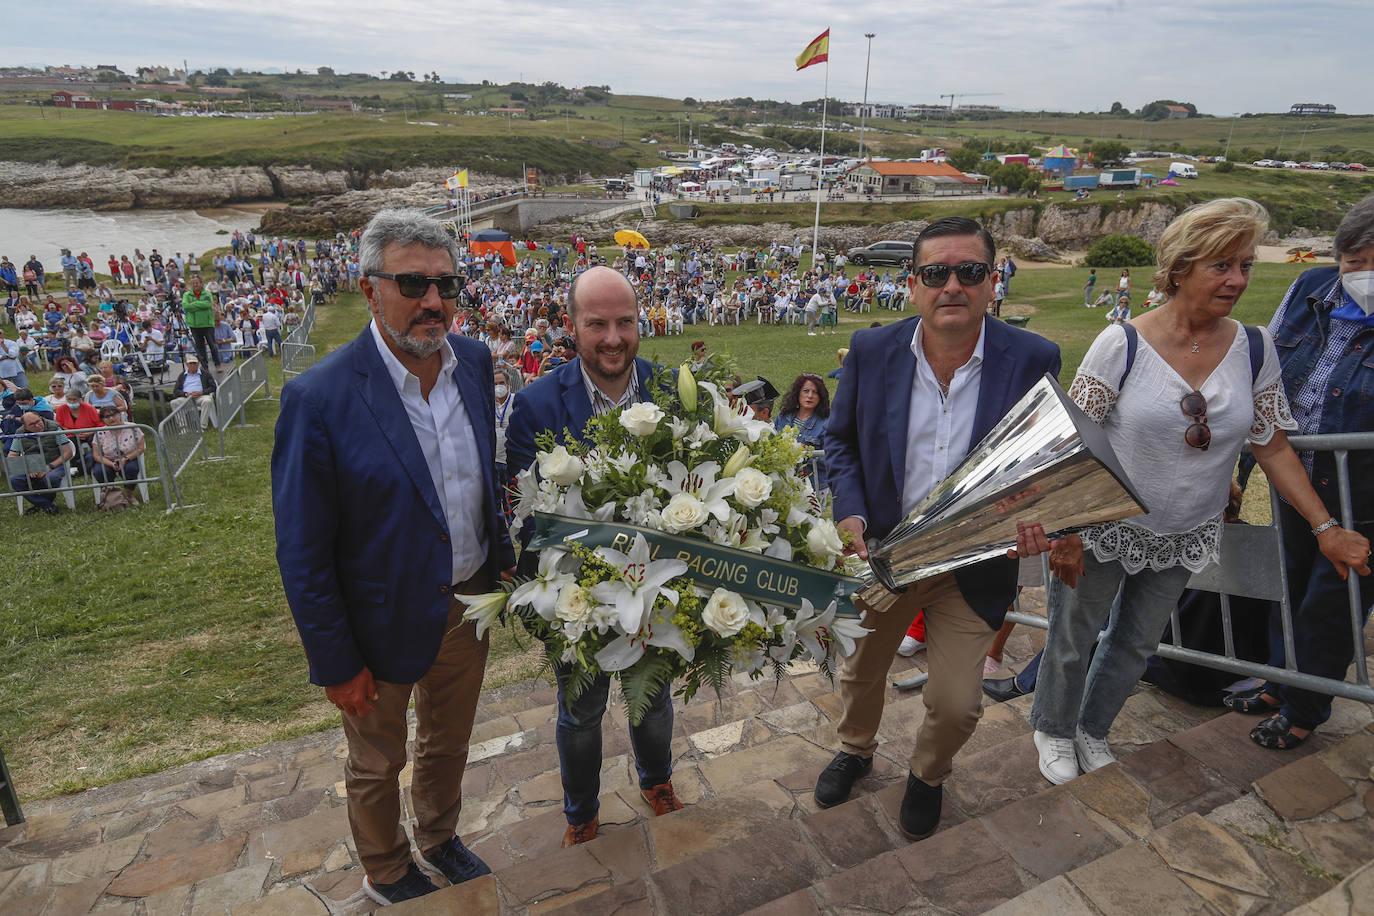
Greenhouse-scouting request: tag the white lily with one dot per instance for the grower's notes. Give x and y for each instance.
(701, 435)
(678, 427)
(624, 462)
(483, 609)
(820, 633)
(624, 651)
(640, 583)
(541, 592)
(701, 482)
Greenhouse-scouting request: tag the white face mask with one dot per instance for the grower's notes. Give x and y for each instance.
(501, 392)
(1359, 286)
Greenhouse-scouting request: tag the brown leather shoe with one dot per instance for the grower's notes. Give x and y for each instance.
(579, 833)
(662, 799)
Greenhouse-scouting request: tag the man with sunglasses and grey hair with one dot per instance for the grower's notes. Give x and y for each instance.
(387, 512)
(917, 395)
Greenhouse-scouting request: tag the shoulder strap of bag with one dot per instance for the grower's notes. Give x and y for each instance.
(1132, 341)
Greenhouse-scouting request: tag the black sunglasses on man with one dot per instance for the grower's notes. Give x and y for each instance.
(414, 286)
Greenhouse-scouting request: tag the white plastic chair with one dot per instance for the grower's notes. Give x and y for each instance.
(112, 349)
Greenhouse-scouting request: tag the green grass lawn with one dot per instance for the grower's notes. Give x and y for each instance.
(135, 642)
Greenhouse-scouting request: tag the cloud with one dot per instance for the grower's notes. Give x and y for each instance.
(1222, 55)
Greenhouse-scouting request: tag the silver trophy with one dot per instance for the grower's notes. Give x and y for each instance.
(1044, 461)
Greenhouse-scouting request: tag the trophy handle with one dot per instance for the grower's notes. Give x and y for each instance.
(882, 571)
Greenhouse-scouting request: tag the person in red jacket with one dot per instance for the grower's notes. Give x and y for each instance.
(75, 415)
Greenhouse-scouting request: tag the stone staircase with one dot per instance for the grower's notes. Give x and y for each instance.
(1194, 818)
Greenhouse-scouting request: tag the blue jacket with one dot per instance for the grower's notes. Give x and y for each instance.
(556, 402)
(1300, 337)
(362, 542)
(865, 436)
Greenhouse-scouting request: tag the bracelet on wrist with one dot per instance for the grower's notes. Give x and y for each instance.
(1329, 523)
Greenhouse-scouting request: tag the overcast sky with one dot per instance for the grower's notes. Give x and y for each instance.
(1223, 55)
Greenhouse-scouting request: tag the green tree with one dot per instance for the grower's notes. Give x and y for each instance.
(1120, 251)
(965, 159)
(1106, 152)
(1224, 167)
(1012, 176)
(1118, 108)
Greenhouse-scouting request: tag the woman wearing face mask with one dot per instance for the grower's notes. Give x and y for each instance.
(503, 410)
(1324, 332)
(75, 415)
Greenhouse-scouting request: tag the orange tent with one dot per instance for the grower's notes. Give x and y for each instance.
(485, 240)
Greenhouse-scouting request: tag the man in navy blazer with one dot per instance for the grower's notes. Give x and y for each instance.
(916, 396)
(385, 497)
(606, 374)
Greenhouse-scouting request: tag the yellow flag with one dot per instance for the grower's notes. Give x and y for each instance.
(818, 52)
(457, 180)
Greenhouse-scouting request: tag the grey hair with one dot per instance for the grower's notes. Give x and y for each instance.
(401, 227)
(1357, 228)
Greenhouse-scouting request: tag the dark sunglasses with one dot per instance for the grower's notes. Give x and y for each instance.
(970, 273)
(1198, 434)
(414, 286)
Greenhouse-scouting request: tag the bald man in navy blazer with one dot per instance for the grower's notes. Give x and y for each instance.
(385, 495)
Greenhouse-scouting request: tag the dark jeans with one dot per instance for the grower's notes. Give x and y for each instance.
(273, 342)
(579, 745)
(205, 345)
(20, 483)
(103, 473)
(1322, 635)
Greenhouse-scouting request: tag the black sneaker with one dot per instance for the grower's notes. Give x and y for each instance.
(454, 861)
(839, 777)
(412, 884)
(1002, 689)
(920, 813)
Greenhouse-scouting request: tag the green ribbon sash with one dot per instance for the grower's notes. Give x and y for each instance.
(759, 578)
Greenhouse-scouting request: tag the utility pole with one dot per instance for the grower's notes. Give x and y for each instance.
(863, 112)
(1227, 154)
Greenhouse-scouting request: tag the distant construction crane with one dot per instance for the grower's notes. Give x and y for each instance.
(963, 95)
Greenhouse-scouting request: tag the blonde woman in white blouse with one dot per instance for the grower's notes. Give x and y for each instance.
(1176, 415)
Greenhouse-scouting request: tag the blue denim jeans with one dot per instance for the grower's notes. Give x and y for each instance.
(1070, 692)
(579, 745)
(43, 498)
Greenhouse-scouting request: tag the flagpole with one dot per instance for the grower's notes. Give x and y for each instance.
(820, 169)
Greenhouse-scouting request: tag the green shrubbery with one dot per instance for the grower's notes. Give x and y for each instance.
(1120, 251)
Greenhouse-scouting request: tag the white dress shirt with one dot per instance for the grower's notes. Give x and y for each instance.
(939, 425)
(448, 442)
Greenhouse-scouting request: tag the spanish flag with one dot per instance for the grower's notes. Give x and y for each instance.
(818, 52)
(458, 179)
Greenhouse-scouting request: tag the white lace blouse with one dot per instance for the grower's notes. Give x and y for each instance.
(1185, 489)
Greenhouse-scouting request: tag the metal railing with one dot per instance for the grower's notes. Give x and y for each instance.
(1253, 566)
(295, 358)
(69, 485)
(180, 436)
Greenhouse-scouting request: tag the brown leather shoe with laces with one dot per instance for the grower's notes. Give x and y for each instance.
(662, 799)
(579, 833)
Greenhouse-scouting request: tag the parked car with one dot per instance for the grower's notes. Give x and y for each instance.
(888, 252)
(1266, 163)
(1357, 167)
(1323, 166)
(1289, 164)
(1339, 165)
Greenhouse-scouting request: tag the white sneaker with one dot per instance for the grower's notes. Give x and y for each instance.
(1093, 753)
(1058, 763)
(810, 333)
(910, 646)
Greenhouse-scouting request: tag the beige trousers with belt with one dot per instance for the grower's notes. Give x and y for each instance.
(957, 641)
(445, 704)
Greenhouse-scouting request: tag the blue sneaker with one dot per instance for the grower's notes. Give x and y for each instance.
(412, 884)
(454, 861)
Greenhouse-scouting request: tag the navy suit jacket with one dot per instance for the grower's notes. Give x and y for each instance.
(555, 402)
(865, 437)
(362, 542)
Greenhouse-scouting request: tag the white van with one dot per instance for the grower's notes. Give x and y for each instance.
(1182, 170)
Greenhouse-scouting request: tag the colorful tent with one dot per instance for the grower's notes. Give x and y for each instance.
(484, 240)
(1060, 160)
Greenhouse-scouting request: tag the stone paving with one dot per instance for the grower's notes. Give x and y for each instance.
(1194, 818)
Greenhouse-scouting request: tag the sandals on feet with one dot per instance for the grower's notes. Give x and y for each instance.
(1276, 734)
(1251, 703)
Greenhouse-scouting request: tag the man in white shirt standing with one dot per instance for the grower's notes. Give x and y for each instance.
(270, 325)
(917, 395)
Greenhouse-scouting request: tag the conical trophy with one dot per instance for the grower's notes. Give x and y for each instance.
(1045, 461)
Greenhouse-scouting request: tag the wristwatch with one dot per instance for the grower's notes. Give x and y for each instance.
(1329, 523)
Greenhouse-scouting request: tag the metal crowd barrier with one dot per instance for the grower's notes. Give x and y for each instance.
(180, 436)
(296, 358)
(9, 799)
(1252, 566)
(253, 372)
(154, 446)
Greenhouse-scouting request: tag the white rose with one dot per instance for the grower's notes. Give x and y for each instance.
(752, 487)
(572, 605)
(641, 419)
(683, 513)
(725, 613)
(561, 467)
(823, 540)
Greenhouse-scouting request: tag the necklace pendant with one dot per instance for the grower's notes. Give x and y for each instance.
(1195, 346)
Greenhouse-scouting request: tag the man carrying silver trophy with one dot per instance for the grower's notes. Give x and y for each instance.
(916, 397)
